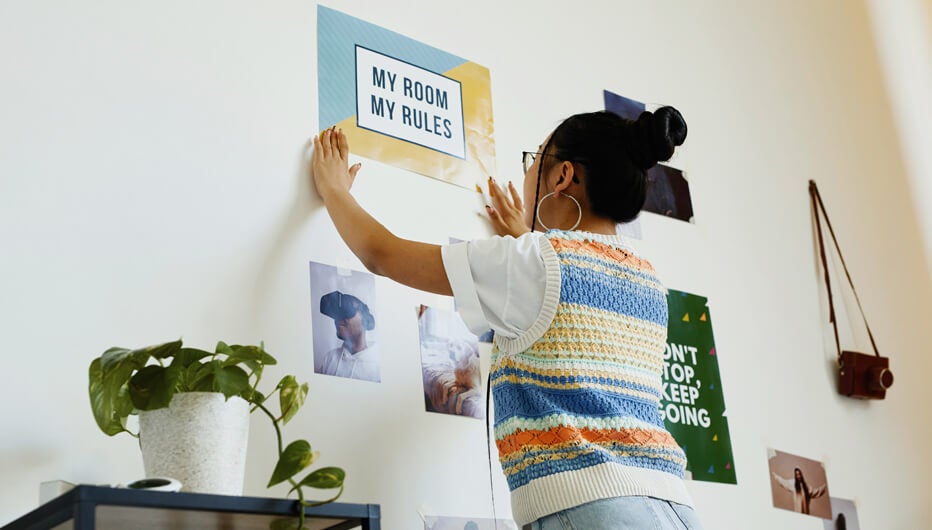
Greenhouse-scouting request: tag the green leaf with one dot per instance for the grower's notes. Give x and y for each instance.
(187, 356)
(111, 356)
(294, 458)
(223, 348)
(253, 396)
(153, 386)
(162, 351)
(243, 354)
(310, 504)
(116, 357)
(123, 405)
(110, 402)
(291, 397)
(186, 364)
(230, 380)
(103, 401)
(201, 377)
(324, 478)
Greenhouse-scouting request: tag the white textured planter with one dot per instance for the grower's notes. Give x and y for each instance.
(199, 440)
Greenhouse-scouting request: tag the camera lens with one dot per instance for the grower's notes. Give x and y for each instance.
(880, 379)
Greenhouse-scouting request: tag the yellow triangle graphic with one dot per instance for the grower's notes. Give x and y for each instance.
(686, 318)
(703, 317)
(715, 438)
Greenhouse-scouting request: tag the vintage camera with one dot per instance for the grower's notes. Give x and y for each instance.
(864, 376)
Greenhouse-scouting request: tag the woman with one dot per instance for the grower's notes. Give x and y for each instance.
(802, 495)
(579, 320)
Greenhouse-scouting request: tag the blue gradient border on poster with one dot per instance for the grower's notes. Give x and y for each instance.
(336, 60)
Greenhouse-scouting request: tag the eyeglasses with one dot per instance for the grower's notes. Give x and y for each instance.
(528, 157)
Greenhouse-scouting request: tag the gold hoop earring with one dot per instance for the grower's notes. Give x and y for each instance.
(551, 194)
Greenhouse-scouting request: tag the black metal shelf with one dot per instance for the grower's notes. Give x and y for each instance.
(103, 508)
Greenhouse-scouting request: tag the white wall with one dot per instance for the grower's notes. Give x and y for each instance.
(903, 32)
(153, 185)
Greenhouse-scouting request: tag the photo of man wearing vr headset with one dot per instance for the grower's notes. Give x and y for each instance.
(356, 357)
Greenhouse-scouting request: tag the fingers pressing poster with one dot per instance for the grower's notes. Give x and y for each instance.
(693, 401)
(403, 102)
(344, 324)
(450, 364)
(799, 484)
(667, 187)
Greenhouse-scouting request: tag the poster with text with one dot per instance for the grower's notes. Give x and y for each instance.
(667, 187)
(404, 103)
(693, 402)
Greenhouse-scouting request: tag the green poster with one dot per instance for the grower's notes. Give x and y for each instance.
(693, 403)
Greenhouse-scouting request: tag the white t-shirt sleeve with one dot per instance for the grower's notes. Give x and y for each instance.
(510, 285)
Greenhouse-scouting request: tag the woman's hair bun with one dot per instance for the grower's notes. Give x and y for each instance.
(655, 135)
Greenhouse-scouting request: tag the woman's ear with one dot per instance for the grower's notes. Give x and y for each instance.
(567, 176)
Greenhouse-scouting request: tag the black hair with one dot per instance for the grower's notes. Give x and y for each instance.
(800, 483)
(616, 154)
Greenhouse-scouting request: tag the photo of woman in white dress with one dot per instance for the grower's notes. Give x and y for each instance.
(802, 494)
(799, 484)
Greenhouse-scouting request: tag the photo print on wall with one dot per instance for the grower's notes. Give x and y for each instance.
(799, 484)
(693, 401)
(404, 103)
(844, 515)
(449, 364)
(467, 523)
(343, 323)
(667, 187)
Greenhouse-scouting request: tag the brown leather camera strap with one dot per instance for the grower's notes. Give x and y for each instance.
(817, 206)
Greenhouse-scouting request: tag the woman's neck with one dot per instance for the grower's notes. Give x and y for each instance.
(597, 225)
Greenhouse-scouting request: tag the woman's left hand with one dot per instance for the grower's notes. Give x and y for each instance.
(506, 211)
(330, 163)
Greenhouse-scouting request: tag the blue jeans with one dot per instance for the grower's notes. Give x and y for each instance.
(621, 513)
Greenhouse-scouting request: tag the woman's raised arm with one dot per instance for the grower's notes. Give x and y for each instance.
(415, 264)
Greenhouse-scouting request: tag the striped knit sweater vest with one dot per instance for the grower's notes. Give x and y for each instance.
(577, 413)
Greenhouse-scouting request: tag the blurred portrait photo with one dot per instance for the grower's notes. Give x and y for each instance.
(668, 193)
(844, 515)
(667, 188)
(450, 364)
(799, 484)
(343, 323)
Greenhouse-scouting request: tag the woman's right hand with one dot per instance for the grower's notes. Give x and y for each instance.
(330, 169)
(506, 211)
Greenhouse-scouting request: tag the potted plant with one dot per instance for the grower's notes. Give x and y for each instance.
(155, 380)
